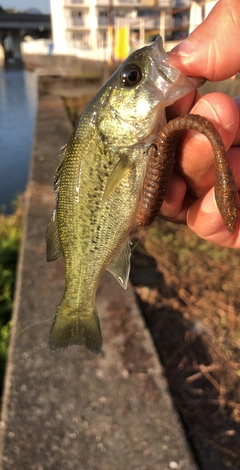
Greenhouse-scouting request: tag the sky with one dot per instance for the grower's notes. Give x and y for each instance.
(42, 5)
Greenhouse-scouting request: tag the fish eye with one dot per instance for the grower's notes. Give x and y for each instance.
(131, 75)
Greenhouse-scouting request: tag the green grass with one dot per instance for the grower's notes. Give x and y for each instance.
(10, 236)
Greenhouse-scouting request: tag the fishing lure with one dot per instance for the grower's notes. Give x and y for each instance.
(160, 166)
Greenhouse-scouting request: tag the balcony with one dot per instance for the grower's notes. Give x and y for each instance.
(117, 3)
(134, 3)
(147, 3)
(76, 23)
(103, 21)
(181, 3)
(140, 3)
(130, 3)
(76, 4)
(164, 3)
(148, 22)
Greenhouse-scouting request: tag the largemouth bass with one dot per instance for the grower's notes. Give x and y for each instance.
(99, 184)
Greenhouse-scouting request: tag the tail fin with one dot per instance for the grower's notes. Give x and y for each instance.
(71, 327)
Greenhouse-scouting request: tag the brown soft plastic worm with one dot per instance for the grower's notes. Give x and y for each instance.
(160, 166)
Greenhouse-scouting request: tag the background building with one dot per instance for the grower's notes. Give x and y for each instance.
(89, 24)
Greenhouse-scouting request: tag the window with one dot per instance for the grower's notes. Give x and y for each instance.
(103, 18)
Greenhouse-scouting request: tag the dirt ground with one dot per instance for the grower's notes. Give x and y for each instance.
(189, 294)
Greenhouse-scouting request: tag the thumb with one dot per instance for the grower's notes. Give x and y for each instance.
(212, 49)
(204, 219)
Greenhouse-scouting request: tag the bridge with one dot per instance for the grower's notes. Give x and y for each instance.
(15, 26)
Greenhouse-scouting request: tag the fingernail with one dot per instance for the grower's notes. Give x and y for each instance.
(185, 48)
(204, 108)
(209, 204)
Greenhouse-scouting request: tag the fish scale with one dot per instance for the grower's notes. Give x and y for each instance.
(78, 221)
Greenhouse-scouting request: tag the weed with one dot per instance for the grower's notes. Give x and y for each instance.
(10, 236)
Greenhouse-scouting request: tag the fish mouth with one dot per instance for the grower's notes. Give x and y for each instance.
(167, 74)
(162, 63)
(169, 82)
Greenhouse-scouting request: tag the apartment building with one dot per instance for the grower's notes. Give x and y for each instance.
(87, 24)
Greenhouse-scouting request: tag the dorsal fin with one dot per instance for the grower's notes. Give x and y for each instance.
(54, 248)
(58, 172)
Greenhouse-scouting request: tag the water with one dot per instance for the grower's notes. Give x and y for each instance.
(18, 97)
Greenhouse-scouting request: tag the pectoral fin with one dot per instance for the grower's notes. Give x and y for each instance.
(120, 170)
(54, 249)
(120, 266)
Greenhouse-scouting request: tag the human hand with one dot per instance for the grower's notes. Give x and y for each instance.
(211, 51)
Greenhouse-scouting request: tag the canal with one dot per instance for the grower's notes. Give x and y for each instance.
(18, 100)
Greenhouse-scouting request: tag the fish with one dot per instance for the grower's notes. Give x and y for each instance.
(99, 184)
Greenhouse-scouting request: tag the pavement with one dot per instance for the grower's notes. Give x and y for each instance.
(72, 410)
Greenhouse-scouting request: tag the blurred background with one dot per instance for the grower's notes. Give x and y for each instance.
(187, 289)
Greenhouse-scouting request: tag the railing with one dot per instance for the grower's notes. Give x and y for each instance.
(181, 3)
(76, 22)
(123, 2)
(150, 22)
(73, 48)
(81, 3)
(160, 3)
(164, 3)
(103, 21)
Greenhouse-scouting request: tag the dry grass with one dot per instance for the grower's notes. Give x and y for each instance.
(189, 293)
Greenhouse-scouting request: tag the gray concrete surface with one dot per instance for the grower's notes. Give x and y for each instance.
(72, 410)
(67, 65)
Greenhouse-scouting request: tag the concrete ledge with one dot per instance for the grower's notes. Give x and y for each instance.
(73, 410)
(67, 65)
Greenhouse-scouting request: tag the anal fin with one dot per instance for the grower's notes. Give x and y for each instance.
(120, 265)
